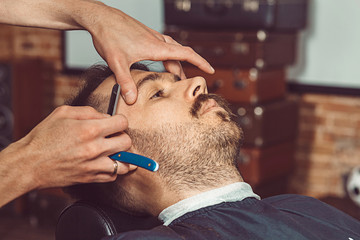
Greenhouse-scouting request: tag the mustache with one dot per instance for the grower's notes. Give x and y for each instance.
(194, 111)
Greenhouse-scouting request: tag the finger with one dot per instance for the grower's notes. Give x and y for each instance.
(111, 125)
(78, 112)
(169, 39)
(182, 74)
(107, 175)
(175, 68)
(124, 168)
(106, 165)
(104, 178)
(126, 82)
(171, 64)
(168, 67)
(115, 144)
(110, 177)
(181, 53)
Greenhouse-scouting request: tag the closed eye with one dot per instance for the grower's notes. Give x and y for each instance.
(158, 94)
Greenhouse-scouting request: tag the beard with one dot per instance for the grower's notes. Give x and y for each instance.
(193, 155)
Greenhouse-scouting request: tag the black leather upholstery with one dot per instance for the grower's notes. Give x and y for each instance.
(89, 221)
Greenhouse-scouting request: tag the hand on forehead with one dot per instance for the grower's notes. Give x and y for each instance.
(141, 78)
(162, 99)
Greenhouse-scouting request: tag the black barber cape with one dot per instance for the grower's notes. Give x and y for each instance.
(290, 217)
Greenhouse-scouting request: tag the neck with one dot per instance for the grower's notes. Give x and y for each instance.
(164, 196)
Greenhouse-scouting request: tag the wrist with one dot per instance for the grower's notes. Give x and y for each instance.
(21, 164)
(88, 14)
(16, 173)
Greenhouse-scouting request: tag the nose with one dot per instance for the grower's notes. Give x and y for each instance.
(195, 87)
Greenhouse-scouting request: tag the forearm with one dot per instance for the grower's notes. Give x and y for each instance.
(54, 14)
(15, 172)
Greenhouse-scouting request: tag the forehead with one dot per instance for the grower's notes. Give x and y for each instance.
(138, 75)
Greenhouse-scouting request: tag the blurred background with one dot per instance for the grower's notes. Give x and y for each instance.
(289, 68)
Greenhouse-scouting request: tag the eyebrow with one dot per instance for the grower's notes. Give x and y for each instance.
(147, 78)
(153, 77)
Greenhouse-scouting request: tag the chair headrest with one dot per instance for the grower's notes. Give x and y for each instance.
(90, 221)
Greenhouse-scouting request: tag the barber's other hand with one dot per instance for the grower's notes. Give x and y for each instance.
(121, 41)
(70, 146)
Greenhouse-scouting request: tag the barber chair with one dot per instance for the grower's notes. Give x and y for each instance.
(90, 221)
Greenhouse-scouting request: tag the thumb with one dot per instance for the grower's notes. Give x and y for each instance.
(127, 84)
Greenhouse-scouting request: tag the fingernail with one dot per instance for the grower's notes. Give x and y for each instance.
(132, 167)
(212, 69)
(106, 115)
(129, 97)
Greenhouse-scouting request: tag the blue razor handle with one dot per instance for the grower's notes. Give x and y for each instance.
(136, 159)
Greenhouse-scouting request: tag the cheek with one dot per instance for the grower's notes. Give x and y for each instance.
(158, 114)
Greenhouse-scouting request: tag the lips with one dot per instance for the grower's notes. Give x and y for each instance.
(207, 106)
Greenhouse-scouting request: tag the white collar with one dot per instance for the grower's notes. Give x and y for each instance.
(229, 193)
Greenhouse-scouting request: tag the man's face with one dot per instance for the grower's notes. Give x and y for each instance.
(176, 123)
(165, 99)
(166, 103)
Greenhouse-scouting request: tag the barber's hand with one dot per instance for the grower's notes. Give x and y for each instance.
(70, 146)
(121, 41)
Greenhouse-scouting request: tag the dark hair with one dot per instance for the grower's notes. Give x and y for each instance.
(92, 78)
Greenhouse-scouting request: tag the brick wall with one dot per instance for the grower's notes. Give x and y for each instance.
(329, 132)
(328, 144)
(34, 43)
(65, 87)
(21, 42)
